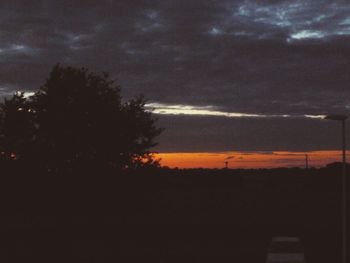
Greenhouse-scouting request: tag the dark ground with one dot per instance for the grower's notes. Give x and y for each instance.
(169, 215)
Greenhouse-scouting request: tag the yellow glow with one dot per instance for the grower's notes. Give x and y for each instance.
(169, 109)
(248, 159)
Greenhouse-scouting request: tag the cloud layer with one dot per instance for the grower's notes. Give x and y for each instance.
(253, 57)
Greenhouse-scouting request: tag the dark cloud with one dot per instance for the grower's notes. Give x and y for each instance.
(270, 57)
(258, 152)
(198, 134)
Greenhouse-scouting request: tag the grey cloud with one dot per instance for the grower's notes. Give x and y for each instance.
(258, 152)
(239, 56)
(198, 133)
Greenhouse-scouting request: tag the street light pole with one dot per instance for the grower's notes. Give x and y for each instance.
(343, 118)
(344, 183)
(344, 146)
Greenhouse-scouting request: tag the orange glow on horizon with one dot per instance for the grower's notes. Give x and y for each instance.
(248, 159)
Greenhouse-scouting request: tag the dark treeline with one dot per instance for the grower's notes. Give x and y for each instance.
(168, 215)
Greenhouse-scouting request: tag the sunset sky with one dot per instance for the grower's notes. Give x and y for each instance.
(241, 78)
(244, 160)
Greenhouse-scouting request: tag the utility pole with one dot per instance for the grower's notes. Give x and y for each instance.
(342, 119)
(306, 161)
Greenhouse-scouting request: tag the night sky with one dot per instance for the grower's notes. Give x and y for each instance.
(220, 75)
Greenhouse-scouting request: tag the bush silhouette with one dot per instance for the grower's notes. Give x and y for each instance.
(77, 119)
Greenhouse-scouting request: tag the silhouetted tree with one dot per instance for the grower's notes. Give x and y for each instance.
(77, 119)
(16, 128)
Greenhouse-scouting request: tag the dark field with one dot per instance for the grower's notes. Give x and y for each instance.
(169, 215)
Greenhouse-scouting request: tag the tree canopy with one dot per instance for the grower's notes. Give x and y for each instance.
(77, 118)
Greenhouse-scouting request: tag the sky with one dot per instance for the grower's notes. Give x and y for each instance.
(221, 76)
(250, 159)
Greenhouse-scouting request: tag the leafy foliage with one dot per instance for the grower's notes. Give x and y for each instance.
(77, 119)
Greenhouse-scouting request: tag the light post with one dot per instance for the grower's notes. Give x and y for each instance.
(306, 161)
(342, 119)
